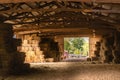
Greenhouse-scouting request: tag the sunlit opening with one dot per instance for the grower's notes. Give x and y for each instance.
(76, 48)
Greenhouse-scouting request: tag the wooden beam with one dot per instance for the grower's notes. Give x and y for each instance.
(55, 16)
(80, 30)
(46, 21)
(54, 26)
(100, 11)
(88, 1)
(61, 9)
(67, 30)
(30, 27)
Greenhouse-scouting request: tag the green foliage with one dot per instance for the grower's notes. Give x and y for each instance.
(76, 46)
(77, 51)
(66, 45)
(85, 48)
(78, 43)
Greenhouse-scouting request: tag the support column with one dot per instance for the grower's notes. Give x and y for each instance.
(6, 46)
(60, 40)
(30, 46)
(11, 61)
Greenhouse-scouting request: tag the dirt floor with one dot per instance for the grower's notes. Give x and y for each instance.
(68, 71)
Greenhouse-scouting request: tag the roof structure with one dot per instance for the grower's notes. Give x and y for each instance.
(92, 14)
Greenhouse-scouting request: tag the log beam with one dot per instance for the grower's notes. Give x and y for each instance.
(97, 1)
(66, 30)
(62, 9)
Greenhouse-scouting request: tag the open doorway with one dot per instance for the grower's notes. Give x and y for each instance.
(76, 48)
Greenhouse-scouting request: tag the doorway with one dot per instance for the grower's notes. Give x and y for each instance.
(76, 48)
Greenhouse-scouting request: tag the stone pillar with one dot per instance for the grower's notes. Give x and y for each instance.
(6, 44)
(116, 48)
(60, 40)
(96, 52)
(30, 46)
(107, 42)
(92, 43)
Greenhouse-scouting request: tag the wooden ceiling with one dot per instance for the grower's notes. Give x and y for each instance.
(93, 14)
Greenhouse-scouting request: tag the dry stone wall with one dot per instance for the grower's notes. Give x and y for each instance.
(6, 49)
(10, 59)
(39, 48)
(116, 48)
(50, 48)
(30, 45)
(108, 50)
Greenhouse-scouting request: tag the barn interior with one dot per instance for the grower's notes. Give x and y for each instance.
(32, 32)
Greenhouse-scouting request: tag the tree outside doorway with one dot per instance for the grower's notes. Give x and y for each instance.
(76, 47)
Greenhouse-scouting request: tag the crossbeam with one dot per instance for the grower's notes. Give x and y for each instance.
(62, 9)
(97, 1)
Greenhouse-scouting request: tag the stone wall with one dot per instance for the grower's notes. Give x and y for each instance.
(38, 49)
(108, 50)
(116, 47)
(30, 46)
(50, 48)
(92, 47)
(102, 48)
(60, 41)
(6, 49)
(10, 60)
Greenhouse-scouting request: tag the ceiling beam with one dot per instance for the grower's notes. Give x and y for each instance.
(53, 30)
(97, 1)
(30, 27)
(46, 21)
(62, 9)
(67, 30)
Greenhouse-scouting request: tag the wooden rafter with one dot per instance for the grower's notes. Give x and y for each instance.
(61, 30)
(48, 21)
(27, 16)
(63, 9)
(72, 23)
(97, 1)
(56, 15)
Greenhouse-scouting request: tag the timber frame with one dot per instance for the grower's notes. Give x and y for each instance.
(92, 14)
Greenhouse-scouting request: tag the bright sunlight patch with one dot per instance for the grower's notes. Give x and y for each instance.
(76, 45)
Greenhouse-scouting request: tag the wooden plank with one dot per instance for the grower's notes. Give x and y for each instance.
(97, 1)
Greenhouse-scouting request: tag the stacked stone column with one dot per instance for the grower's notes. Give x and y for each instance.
(116, 48)
(6, 46)
(106, 49)
(30, 46)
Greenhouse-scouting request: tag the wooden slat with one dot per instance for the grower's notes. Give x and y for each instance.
(97, 1)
